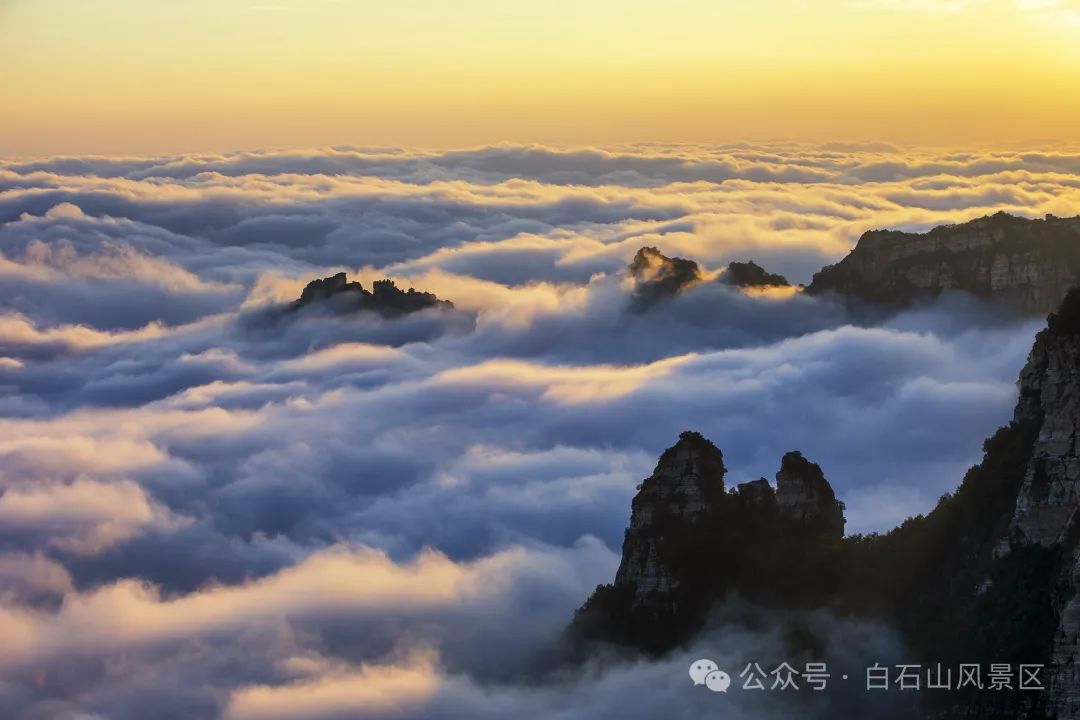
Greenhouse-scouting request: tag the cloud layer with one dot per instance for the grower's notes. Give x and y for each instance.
(216, 508)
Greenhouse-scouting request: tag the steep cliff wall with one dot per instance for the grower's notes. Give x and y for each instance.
(803, 494)
(1047, 505)
(1026, 264)
(991, 575)
(691, 542)
(686, 482)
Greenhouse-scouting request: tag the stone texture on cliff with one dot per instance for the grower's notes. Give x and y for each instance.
(687, 547)
(1026, 264)
(677, 492)
(1047, 505)
(750, 274)
(990, 575)
(1049, 393)
(803, 494)
(757, 492)
(339, 294)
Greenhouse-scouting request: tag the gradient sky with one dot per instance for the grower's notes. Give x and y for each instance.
(169, 75)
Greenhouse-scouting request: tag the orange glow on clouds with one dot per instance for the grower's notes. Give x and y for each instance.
(122, 75)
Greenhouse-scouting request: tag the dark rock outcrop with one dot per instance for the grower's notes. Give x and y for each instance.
(1026, 264)
(658, 277)
(688, 540)
(340, 295)
(803, 494)
(750, 274)
(1046, 515)
(325, 288)
(757, 492)
(687, 480)
(991, 575)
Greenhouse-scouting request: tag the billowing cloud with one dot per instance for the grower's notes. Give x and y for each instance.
(82, 517)
(216, 508)
(367, 692)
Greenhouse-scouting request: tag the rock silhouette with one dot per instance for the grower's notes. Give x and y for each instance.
(338, 294)
(1026, 264)
(992, 574)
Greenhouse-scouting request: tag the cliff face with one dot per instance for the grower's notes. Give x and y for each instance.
(1047, 505)
(991, 575)
(657, 277)
(1026, 264)
(686, 480)
(803, 494)
(686, 545)
(1048, 498)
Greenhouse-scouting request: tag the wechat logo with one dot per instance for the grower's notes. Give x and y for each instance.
(707, 673)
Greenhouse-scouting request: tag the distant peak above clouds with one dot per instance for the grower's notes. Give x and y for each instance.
(243, 441)
(385, 298)
(658, 277)
(1025, 264)
(750, 274)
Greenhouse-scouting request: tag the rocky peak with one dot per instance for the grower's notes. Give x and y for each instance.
(1026, 264)
(1045, 521)
(803, 494)
(991, 575)
(339, 294)
(688, 475)
(750, 274)
(686, 546)
(1049, 498)
(685, 472)
(757, 492)
(657, 276)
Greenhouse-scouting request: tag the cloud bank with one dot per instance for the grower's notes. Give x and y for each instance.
(219, 509)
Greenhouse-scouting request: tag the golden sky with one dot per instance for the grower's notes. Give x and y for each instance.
(115, 76)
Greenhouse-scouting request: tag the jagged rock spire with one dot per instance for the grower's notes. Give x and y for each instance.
(803, 494)
(657, 276)
(750, 274)
(1047, 505)
(688, 474)
(339, 294)
(1026, 264)
(691, 543)
(1047, 510)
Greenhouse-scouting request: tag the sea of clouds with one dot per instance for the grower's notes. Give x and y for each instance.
(210, 507)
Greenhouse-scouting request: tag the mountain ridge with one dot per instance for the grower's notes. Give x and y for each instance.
(1026, 264)
(992, 572)
(342, 295)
